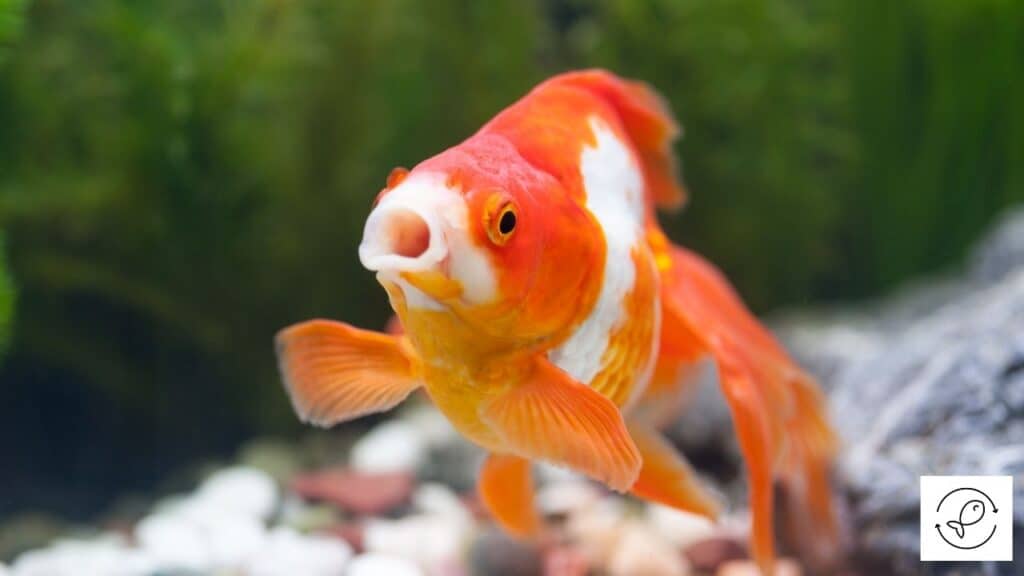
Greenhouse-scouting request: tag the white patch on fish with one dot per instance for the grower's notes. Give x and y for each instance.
(614, 186)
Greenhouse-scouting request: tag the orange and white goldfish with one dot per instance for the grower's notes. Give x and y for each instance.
(548, 317)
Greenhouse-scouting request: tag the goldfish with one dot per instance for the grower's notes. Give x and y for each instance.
(549, 318)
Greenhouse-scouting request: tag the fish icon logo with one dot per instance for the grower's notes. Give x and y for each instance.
(967, 518)
(972, 514)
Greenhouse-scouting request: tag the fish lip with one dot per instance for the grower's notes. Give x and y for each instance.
(374, 254)
(434, 284)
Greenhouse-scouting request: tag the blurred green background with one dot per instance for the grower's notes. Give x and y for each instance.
(181, 178)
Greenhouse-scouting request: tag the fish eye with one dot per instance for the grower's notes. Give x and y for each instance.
(500, 221)
(507, 223)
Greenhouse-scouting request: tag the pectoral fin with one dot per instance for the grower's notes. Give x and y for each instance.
(334, 372)
(550, 416)
(506, 489)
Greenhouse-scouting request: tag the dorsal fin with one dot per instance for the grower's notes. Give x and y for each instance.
(650, 125)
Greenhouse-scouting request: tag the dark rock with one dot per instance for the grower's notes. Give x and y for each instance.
(454, 464)
(496, 554)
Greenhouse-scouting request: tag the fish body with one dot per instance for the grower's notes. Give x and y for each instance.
(548, 317)
(970, 514)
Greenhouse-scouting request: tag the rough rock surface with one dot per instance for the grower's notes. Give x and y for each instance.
(928, 382)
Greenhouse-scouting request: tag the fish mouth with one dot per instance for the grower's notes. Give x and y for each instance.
(434, 284)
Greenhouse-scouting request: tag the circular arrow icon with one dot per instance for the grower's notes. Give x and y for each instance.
(971, 519)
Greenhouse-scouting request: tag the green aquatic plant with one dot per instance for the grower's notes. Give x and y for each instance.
(179, 179)
(12, 13)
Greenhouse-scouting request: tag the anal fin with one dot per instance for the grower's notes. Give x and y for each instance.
(505, 487)
(666, 478)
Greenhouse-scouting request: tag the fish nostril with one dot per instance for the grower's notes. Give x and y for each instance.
(408, 234)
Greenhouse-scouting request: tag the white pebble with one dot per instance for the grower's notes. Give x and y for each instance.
(680, 528)
(434, 542)
(566, 496)
(393, 446)
(232, 540)
(241, 489)
(382, 565)
(433, 498)
(550, 473)
(597, 528)
(174, 540)
(288, 552)
(4, 571)
(432, 426)
(640, 550)
(106, 556)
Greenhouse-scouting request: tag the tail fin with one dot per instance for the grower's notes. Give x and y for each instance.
(778, 412)
(957, 527)
(650, 125)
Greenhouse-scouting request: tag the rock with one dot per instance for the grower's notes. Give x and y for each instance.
(563, 497)
(434, 542)
(4, 571)
(680, 528)
(783, 567)
(288, 552)
(926, 389)
(430, 425)
(108, 555)
(174, 541)
(566, 561)
(394, 446)
(437, 499)
(233, 539)
(1001, 251)
(242, 490)
(595, 530)
(361, 493)
(494, 553)
(640, 550)
(203, 530)
(454, 464)
(707, 555)
(382, 565)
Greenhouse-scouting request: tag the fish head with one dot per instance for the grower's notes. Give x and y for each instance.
(480, 249)
(972, 512)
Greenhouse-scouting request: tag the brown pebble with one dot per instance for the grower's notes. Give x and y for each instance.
(707, 555)
(351, 533)
(357, 492)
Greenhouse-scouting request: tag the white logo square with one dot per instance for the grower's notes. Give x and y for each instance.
(966, 518)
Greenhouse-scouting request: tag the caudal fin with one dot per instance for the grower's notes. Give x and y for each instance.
(957, 527)
(650, 125)
(777, 409)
